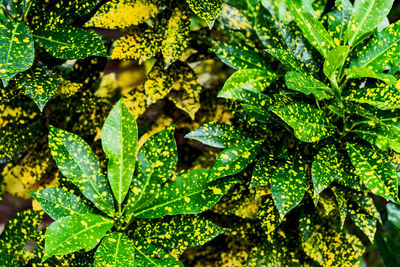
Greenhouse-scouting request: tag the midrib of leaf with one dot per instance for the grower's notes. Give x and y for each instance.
(52, 40)
(57, 203)
(90, 181)
(342, 23)
(11, 44)
(362, 22)
(166, 203)
(122, 160)
(79, 232)
(117, 250)
(380, 103)
(147, 257)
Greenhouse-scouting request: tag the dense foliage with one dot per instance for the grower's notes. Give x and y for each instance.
(284, 116)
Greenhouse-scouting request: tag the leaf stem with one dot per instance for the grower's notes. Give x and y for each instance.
(26, 11)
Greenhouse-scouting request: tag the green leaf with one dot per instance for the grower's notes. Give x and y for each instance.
(206, 9)
(268, 216)
(79, 164)
(307, 85)
(7, 260)
(235, 158)
(263, 171)
(267, 28)
(313, 30)
(149, 255)
(16, 50)
(364, 72)
(309, 124)
(250, 79)
(190, 230)
(334, 60)
(190, 193)
(383, 135)
(365, 17)
(39, 84)
(384, 98)
(58, 203)
(338, 20)
(239, 57)
(365, 222)
(73, 233)
(324, 168)
(377, 174)
(176, 36)
(67, 42)
(19, 230)
(286, 58)
(288, 184)
(119, 138)
(156, 161)
(393, 211)
(381, 51)
(116, 249)
(218, 135)
(257, 106)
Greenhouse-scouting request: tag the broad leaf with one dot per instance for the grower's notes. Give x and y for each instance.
(70, 42)
(334, 60)
(364, 72)
(79, 164)
(73, 233)
(235, 158)
(116, 249)
(286, 58)
(384, 98)
(365, 17)
(7, 260)
(19, 230)
(263, 171)
(58, 203)
(324, 168)
(382, 50)
(365, 222)
(206, 9)
(191, 230)
(313, 30)
(16, 50)
(307, 85)
(268, 216)
(309, 124)
(393, 214)
(218, 135)
(119, 138)
(377, 174)
(266, 27)
(148, 254)
(239, 58)
(189, 193)
(256, 80)
(383, 135)
(257, 106)
(288, 184)
(39, 84)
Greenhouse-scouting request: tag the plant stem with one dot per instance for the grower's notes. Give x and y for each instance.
(26, 11)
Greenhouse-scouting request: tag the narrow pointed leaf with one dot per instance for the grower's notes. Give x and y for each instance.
(16, 50)
(268, 216)
(365, 222)
(190, 193)
(334, 60)
(76, 232)
(256, 80)
(116, 249)
(239, 58)
(377, 174)
(288, 185)
(365, 17)
(287, 59)
(263, 171)
(307, 85)
(218, 135)
(119, 138)
(206, 9)
(58, 203)
(309, 124)
(313, 30)
(67, 42)
(338, 20)
(235, 158)
(79, 164)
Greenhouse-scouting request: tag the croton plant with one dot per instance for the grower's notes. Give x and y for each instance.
(304, 173)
